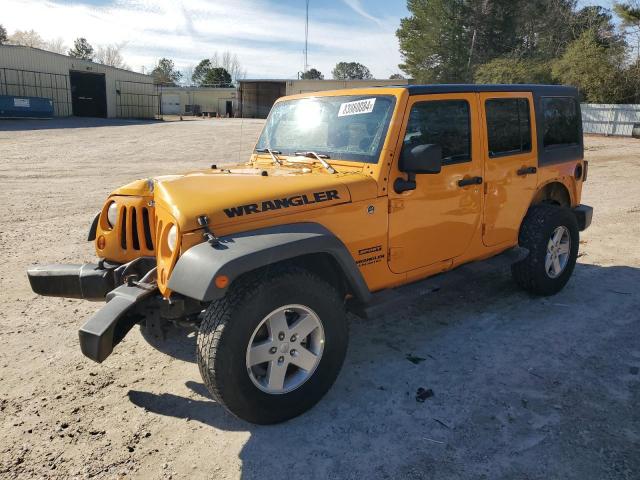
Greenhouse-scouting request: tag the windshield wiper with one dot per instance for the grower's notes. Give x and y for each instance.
(320, 158)
(273, 154)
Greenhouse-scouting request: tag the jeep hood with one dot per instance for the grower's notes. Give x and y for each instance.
(245, 194)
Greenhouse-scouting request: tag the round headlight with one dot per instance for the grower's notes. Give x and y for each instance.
(112, 214)
(172, 238)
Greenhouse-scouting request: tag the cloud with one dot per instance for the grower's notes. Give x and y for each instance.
(267, 37)
(357, 7)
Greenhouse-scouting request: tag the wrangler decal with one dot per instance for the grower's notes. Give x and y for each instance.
(277, 204)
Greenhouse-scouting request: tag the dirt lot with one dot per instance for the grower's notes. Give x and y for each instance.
(525, 388)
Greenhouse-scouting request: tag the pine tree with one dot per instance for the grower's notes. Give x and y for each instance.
(81, 49)
(165, 72)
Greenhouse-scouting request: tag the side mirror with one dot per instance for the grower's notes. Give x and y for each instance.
(421, 159)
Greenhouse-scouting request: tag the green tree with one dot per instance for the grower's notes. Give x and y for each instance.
(595, 18)
(541, 27)
(629, 14)
(632, 82)
(446, 40)
(200, 71)
(3, 35)
(351, 71)
(397, 76)
(81, 49)
(312, 74)
(596, 69)
(434, 41)
(217, 77)
(165, 73)
(514, 70)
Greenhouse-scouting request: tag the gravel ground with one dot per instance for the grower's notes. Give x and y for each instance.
(524, 388)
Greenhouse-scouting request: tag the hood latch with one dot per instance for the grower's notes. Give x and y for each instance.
(208, 234)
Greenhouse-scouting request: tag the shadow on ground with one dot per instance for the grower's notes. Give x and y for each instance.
(525, 387)
(26, 124)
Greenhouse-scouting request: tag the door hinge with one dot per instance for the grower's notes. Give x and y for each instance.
(486, 187)
(484, 229)
(394, 252)
(395, 205)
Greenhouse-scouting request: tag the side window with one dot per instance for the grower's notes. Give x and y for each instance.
(441, 122)
(561, 121)
(508, 126)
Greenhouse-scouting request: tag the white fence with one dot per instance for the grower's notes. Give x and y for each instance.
(606, 119)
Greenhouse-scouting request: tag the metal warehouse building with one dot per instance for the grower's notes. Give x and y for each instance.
(199, 100)
(256, 97)
(76, 87)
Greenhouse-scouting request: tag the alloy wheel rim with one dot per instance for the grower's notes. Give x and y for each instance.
(285, 349)
(558, 251)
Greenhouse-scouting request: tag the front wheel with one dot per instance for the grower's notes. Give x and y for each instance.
(551, 235)
(272, 347)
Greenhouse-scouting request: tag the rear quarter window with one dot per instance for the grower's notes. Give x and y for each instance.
(561, 121)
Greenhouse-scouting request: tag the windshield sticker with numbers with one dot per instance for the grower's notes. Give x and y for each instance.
(356, 108)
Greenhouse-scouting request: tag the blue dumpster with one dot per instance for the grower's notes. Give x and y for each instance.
(25, 107)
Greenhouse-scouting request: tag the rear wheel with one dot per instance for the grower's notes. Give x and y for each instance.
(551, 235)
(274, 345)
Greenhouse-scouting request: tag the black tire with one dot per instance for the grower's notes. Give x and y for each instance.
(227, 329)
(536, 230)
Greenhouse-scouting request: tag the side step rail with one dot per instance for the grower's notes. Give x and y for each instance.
(393, 298)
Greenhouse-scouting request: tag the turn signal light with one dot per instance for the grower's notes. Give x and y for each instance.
(222, 281)
(101, 242)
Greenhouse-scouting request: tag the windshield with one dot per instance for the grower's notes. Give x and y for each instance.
(349, 127)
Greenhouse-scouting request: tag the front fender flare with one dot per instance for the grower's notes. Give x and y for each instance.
(195, 271)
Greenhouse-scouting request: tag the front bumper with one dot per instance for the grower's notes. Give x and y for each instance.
(126, 305)
(584, 214)
(109, 325)
(88, 281)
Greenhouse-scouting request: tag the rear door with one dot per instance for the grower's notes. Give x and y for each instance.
(510, 163)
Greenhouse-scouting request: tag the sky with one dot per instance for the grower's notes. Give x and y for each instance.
(267, 35)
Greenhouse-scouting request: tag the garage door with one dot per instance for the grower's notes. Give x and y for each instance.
(171, 104)
(88, 94)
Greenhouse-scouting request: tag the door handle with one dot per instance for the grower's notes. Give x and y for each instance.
(465, 182)
(526, 171)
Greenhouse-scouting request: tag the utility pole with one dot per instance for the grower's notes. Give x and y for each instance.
(306, 41)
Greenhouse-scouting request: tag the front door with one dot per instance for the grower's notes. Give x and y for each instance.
(511, 161)
(437, 220)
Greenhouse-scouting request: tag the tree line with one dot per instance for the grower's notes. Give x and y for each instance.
(525, 41)
(110, 55)
(458, 41)
(222, 70)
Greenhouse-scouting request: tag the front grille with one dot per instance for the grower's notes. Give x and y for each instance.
(133, 234)
(135, 229)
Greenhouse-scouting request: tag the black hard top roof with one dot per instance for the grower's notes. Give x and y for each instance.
(550, 90)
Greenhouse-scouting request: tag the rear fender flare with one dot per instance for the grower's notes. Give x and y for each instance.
(195, 272)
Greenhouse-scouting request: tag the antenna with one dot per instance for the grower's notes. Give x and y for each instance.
(306, 41)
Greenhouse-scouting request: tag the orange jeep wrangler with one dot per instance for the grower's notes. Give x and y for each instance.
(350, 198)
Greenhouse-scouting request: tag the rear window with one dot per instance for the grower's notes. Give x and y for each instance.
(508, 126)
(561, 121)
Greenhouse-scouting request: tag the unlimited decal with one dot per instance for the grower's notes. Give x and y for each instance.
(277, 204)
